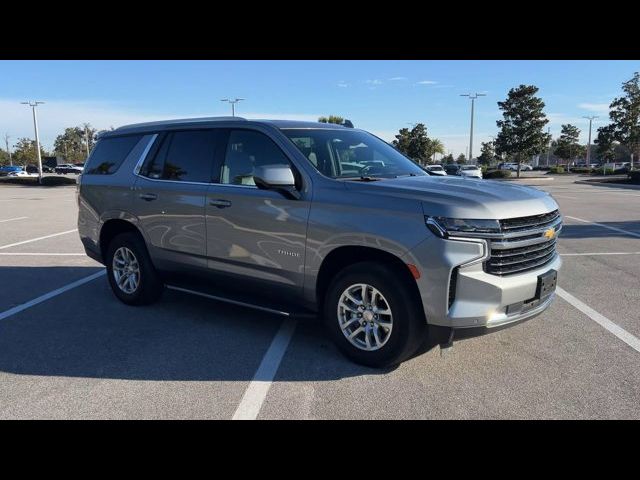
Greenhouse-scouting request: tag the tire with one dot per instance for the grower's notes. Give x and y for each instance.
(149, 286)
(408, 326)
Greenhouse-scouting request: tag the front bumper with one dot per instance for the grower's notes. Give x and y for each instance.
(475, 298)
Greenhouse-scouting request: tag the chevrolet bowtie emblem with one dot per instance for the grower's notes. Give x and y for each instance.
(549, 233)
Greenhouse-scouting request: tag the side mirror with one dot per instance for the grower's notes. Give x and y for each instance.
(276, 177)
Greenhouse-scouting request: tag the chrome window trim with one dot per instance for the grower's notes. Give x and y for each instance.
(143, 155)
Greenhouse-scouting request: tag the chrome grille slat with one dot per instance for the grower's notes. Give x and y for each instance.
(522, 245)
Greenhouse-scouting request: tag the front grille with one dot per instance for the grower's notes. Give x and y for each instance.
(523, 244)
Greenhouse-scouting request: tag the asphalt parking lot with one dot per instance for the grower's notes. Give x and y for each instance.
(78, 353)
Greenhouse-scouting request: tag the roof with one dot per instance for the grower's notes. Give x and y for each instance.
(160, 125)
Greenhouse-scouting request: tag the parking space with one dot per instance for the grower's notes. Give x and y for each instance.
(83, 354)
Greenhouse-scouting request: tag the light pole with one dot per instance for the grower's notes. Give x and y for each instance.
(549, 145)
(233, 104)
(33, 106)
(589, 144)
(6, 141)
(473, 99)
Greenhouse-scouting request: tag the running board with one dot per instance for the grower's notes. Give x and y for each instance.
(241, 304)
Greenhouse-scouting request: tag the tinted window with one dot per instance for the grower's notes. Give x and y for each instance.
(184, 156)
(247, 149)
(109, 154)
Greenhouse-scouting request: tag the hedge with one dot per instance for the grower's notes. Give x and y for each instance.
(498, 174)
(33, 181)
(556, 170)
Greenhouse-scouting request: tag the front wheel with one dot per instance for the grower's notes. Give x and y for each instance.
(371, 315)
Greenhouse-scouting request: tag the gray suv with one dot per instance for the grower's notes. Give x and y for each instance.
(315, 219)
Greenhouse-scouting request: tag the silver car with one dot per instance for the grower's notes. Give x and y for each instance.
(472, 171)
(321, 220)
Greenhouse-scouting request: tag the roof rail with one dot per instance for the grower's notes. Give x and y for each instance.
(182, 120)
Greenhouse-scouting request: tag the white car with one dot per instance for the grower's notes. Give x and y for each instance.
(514, 167)
(21, 173)
(435, 170)
(470, 171)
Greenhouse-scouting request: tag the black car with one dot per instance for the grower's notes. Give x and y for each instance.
(452, 169)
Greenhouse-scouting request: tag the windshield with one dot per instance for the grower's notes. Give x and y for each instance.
(436, 167)
(347, 153)
(470, 167)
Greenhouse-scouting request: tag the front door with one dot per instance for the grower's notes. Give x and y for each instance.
(255, 235)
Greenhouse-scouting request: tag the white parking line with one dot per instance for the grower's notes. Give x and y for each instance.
(36, 239)
(12, 219)
(621, 333)
(257, 390)
(615, 229)
(51, 294)
(593, 253)
(20, 254)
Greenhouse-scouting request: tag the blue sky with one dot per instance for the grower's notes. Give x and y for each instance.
(379, 96)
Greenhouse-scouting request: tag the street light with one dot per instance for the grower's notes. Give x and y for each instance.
(589, 144)
(233, 104)
(6, 141)
(472, 97)
(33, 106)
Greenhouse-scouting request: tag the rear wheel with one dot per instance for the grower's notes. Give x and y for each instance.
(132, 277)
(372, 316)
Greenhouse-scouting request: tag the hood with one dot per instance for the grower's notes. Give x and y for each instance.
(460, 197)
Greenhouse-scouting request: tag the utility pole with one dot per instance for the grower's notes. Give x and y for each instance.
(549, 145)
(33, 106)
(233, 104)
(6, 141)
(589, 144)
(473, 99)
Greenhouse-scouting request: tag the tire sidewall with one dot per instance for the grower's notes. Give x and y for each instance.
(147, 282)
(386, 280)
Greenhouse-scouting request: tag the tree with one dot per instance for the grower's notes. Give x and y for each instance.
(448, 159)
(72, 144)
(568, 146)
(414, 143)
(461, 159)
(624, 113)
(435, 146)
(487, 153)
(606, 143)
(4, 157)
(521, 129)
(332, 119)
(24, 152)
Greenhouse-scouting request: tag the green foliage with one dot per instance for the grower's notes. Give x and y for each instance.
(24, 152)
(4, 157)
(606, 143)
(497, 174)
(72, 144)
(448, 159)
(601, 171)
(568, 146)
(624, 113)
(332, 119)
(414, 143)
(487, 153)
(461, 159)
(581, 170)
(521, 129)
(556, 170)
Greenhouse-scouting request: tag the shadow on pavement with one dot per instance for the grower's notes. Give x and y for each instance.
(86, 332)
(586, 230)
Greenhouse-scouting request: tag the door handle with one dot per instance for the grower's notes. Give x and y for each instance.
(220, 203)
(148, 196)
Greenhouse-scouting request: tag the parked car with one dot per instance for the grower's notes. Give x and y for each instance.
(261, 213)
(7, 169)
(65, 168)
(435, 170)
(452, 169)
(20, 173)
(470, 171)
(525, 167)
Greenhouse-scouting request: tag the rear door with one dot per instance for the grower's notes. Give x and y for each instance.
(169, 197)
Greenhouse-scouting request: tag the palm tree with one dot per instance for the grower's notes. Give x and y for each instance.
(435, 146)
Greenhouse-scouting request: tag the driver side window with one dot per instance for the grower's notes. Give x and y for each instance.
(246, 150)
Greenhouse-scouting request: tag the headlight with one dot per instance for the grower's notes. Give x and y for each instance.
(443, 226)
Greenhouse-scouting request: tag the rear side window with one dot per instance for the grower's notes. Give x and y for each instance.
(109, 154)
(184, 156)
